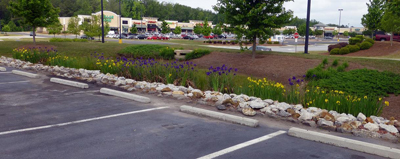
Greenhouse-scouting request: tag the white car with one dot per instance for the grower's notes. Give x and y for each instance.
(110, 35)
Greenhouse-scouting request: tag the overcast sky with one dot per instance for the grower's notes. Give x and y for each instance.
(325, 11)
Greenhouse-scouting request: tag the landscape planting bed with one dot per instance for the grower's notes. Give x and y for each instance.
(378, 49)
(279, 68)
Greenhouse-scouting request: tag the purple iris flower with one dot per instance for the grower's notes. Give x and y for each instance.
(298, 81)
(289, 79)
(294, 78)
(291, 83)
(208, 73)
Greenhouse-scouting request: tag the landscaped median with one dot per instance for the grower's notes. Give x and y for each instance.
(358, 124)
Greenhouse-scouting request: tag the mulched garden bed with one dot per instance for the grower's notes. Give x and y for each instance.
(378, 49)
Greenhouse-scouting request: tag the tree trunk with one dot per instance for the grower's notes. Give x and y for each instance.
(254, 47)
(34, 34)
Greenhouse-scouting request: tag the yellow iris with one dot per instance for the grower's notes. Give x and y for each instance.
(326, 100)
(387, 103)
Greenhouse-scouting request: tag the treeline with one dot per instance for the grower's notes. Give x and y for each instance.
(129, 8)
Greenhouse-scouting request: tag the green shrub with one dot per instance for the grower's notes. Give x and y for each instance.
(144, 51)
(370, 40)
(335, 51)
(365, 45)
(335, 62)
(67, 40)
(341, 68)
(269, 42)
(353, 41)
(325, 61)
(344, 51)
(276, 42)
(197, 54)
(345, 64)
(167, 53)
(353, 48)
(361, 37)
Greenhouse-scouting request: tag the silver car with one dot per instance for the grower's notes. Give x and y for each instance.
(261, 48)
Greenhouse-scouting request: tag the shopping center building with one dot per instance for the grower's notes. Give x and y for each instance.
(147, 24)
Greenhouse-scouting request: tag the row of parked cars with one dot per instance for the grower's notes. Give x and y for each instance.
(156, 36)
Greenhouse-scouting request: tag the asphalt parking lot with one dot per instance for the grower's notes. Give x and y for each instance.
(39, 119)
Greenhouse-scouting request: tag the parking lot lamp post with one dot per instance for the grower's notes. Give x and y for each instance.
(340, 17)
(120, 22)
(307, 27)
(102, 23)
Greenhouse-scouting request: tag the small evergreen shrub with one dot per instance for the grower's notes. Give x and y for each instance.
(334, 51)
(335, 62)
(344, 51)
(365, 45)
(370, 40)
(353, 41)
(197, 54)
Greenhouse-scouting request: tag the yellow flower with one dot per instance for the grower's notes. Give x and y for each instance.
(336, 91)
(169, 75)
(387, 103)
(322, 92)
(307, 90)
(380, 99)
(310, 102)
(317, 87)
(340, 92)
(365, 97)
(326, 100)
(113, 64)
(338, 102)
(297, 85)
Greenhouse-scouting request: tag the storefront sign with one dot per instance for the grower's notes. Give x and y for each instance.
(171, 22)
(138, 23)
(108, 18)
(152, 22)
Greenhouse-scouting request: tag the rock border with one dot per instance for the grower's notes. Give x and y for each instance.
(373, 126)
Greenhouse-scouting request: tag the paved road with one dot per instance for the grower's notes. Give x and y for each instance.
(287, 48)
(156, 133)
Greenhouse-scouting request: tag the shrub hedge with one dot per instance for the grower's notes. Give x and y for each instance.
(353, 41)
(67, 40)
(334, 51)
(365, 45)
(197, 53)
(344, 50)
(144, 51)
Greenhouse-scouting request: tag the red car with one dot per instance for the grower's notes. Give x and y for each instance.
(152, 37)
(163, 38)
(208, 37)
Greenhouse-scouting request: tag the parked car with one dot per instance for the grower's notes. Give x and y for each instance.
(222, 36)
(208, 37)
(328, 37)
(86, 37)
(31, 34)
(110, 35)
(141, 36)
(188, 37)
(132, 37)
(261, 48)
(396, 37)
(154, 37)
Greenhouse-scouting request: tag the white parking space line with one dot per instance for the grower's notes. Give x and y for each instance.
(14, 82)
(242, 145)
(5, 72)
(79, 121)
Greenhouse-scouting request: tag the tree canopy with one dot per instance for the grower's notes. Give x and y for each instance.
(73, 26)
(372, 19)
(165, 27)
(391, 23)
(254, 19)
(36, 13)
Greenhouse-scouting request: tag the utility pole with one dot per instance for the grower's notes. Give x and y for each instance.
(340, 17)
(307, 27)
(120, 23)
(102, 23)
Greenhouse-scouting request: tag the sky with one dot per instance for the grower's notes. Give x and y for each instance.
(325, 11)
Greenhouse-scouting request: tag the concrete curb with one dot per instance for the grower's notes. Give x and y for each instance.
(218, 115)
(27, 74)
(125, 95)
(3, 69)
(69, 83)
(346, 143)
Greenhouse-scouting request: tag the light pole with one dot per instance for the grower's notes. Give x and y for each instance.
(307, 27)
(120, 23)
(340, 17)
(102, 23)
(141, 18)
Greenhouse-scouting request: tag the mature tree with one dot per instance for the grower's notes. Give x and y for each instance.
(254, 18)
(352, 34)
(318, 32)
(288, 31)
(165, 27)
(73, 26)
(346, 33)
(6, 29)
(277, 32)
(92, 27)
(372, 19)
(178, 30)
(335, 32)
(391, 23)
(54, 28)
(206, 31)
(394, 7)
(217, 30)
(198, 29)
(302, 30)
(12, 26)
(36, 13)
(134, 29)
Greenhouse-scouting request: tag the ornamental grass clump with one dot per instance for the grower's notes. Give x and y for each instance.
(34, 55)
(221, 78)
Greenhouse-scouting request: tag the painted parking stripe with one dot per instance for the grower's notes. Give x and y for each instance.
(14, 82)
(79, 121)
(242, 145)
(5, 72)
